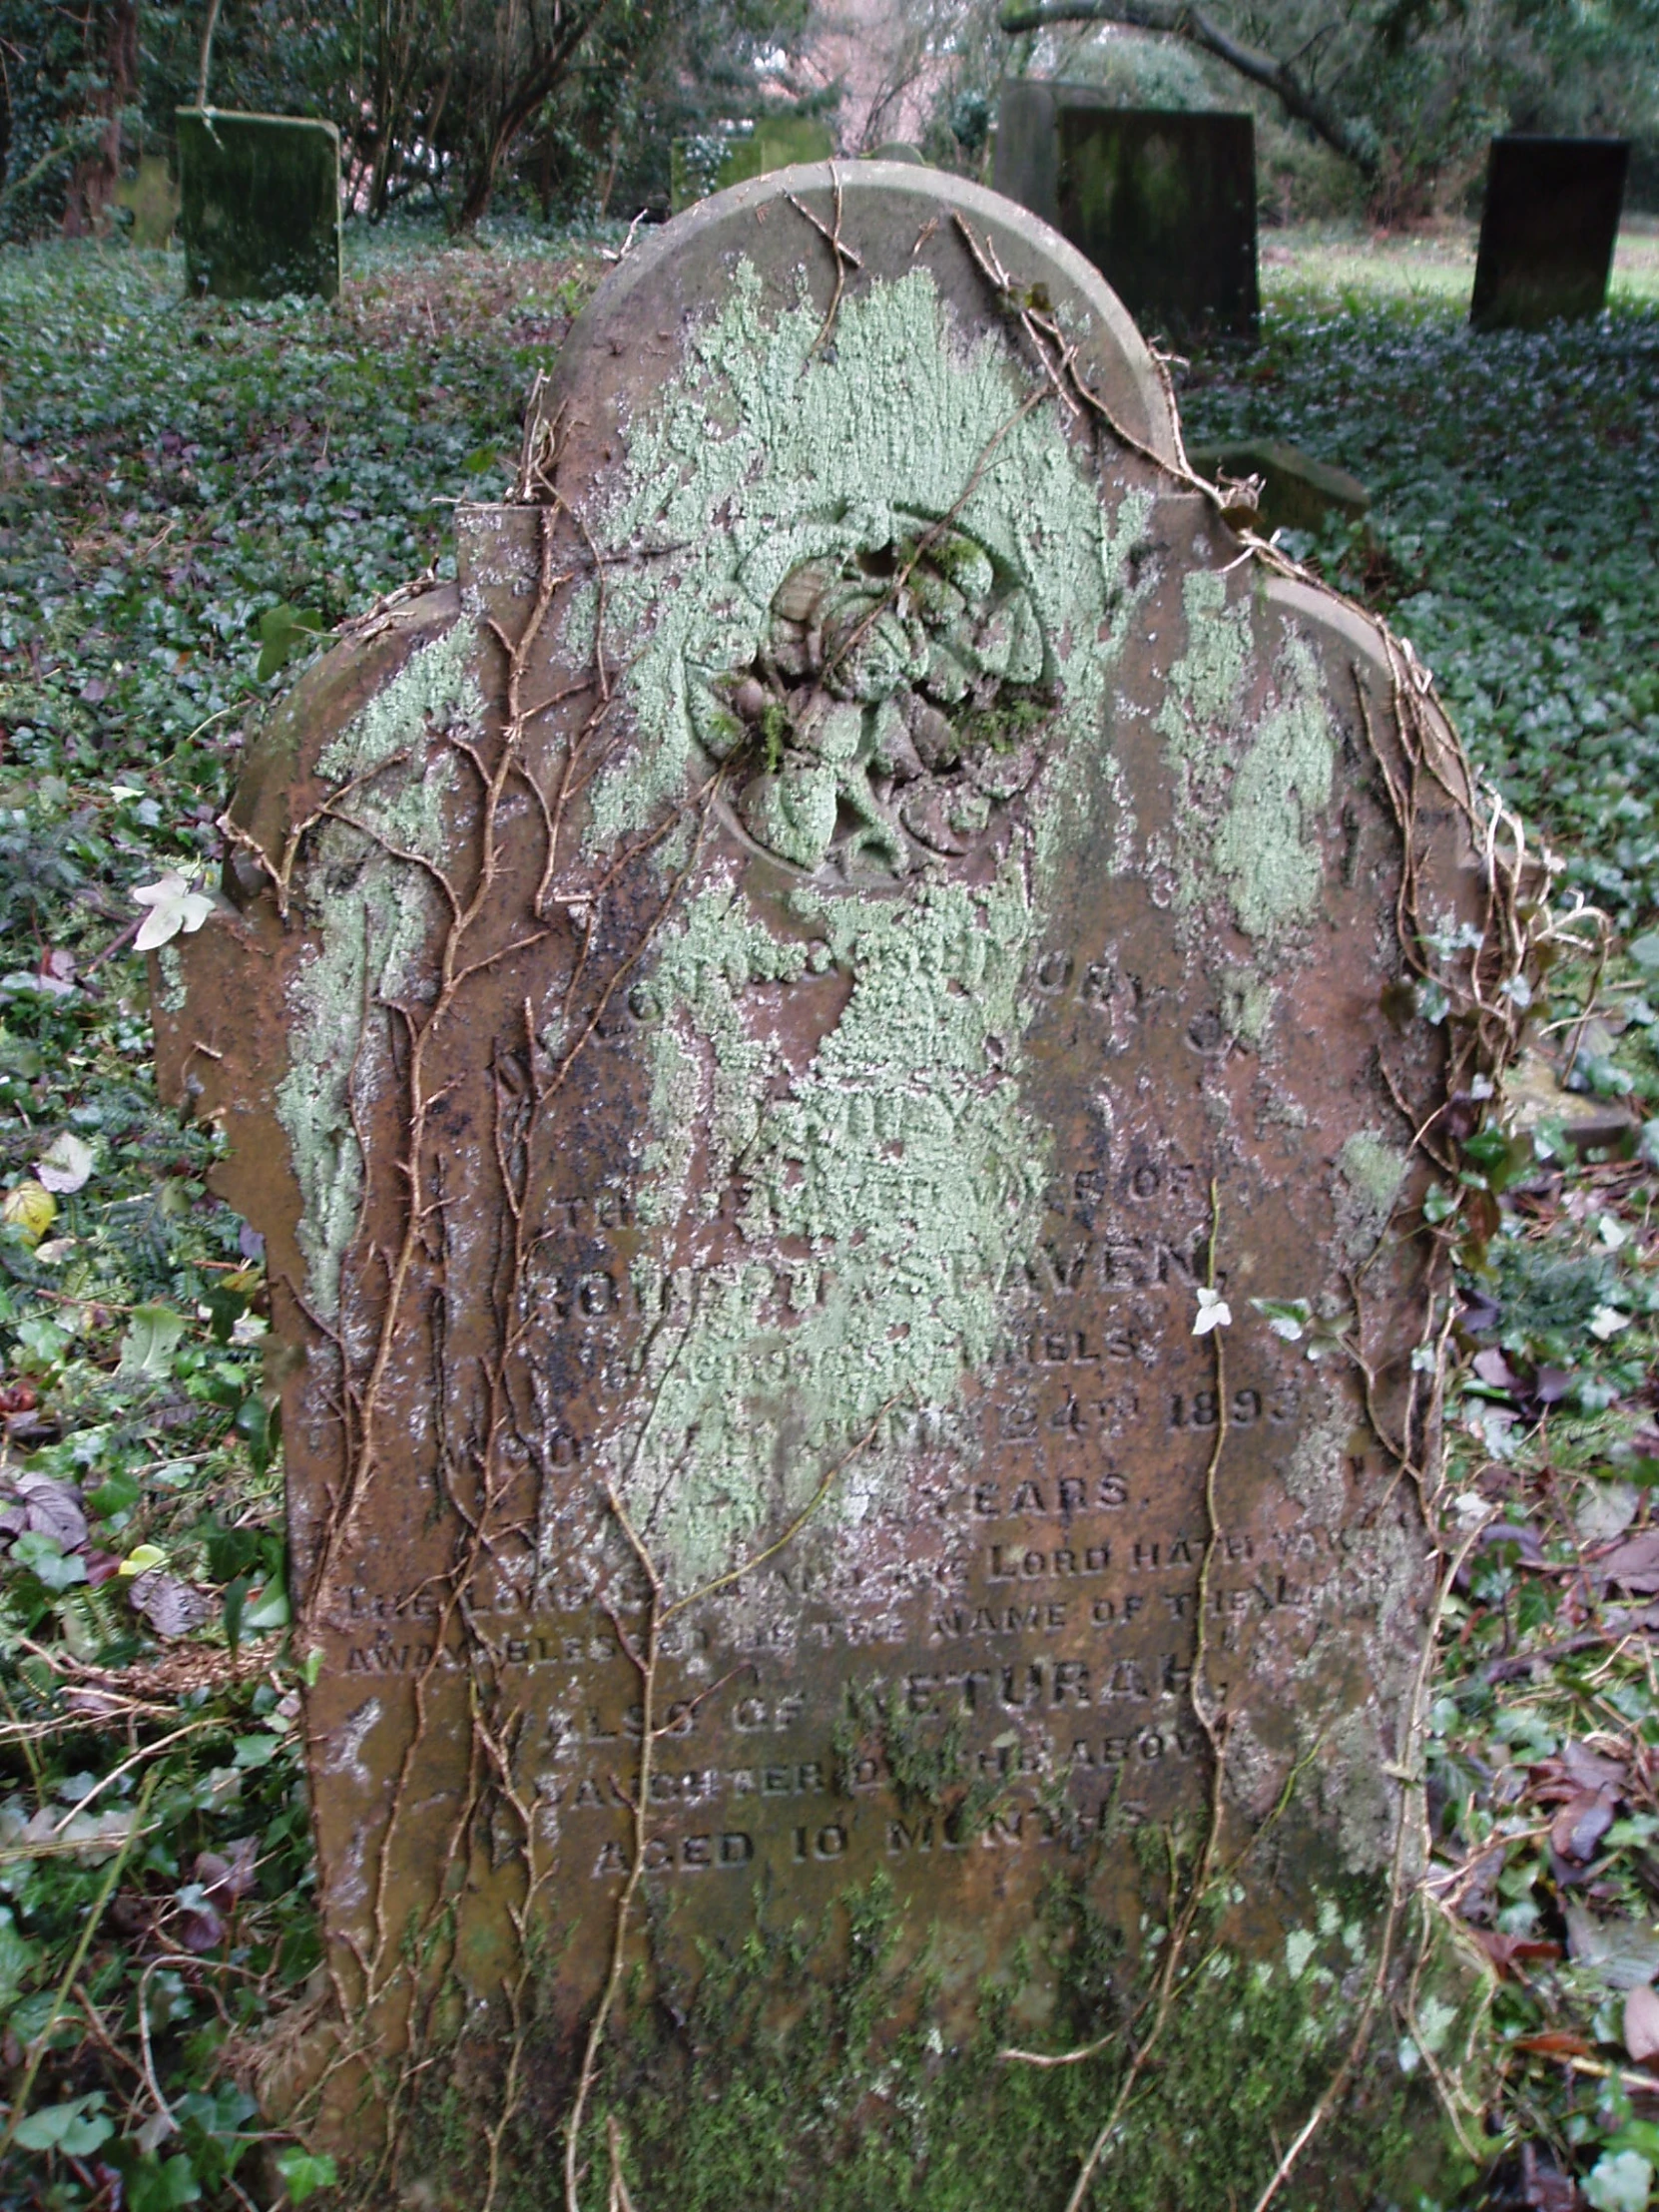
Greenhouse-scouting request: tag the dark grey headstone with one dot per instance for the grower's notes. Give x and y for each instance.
(1164, 205)
(1547, 234)
(259, 205)
(1162, 201)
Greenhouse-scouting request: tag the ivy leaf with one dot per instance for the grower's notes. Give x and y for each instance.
(66, 1165)
(154, 2185)
(267, 1609)
(150, 1340)
(175, 906)
(47, 1560)
(76, 2128)
(305, 2172)
(250, 1752)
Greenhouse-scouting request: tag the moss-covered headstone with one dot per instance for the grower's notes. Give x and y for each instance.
(1162, 201)
(815, 1042)
(259, 205)
(1547, 231)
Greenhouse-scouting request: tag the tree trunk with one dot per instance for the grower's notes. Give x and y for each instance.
(95, 176)
(520, 97)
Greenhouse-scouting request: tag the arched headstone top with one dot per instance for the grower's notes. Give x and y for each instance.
(899, 221)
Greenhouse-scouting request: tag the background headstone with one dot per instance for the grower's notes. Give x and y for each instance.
(702, 166)
(259, 205)
(1547, 231)
(152, 197)
(1164, 205)
(1162, 200)
(760, 1026)
(1026, 159)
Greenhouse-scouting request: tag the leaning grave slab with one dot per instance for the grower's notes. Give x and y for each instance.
(755, 1024)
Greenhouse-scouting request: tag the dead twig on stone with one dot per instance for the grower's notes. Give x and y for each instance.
(845, 258)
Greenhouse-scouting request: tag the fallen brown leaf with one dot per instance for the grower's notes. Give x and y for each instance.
(1556, 2042)
(1635, 1562)
(1581, 1823)
(1508, 1953)
(1641, 2023)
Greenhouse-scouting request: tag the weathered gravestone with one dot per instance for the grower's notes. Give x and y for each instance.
(1026, 159)
(1547, 231)
(1162, 201)
(758, 1025)
(259, 205)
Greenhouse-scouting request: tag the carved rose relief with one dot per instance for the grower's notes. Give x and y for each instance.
(895, 701)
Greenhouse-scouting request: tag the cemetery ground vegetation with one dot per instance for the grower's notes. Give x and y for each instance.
(191, 498)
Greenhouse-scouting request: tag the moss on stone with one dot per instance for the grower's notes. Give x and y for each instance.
(802, 2071)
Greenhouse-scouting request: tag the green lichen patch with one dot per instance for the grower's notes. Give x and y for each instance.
(1371, 1172)
(172, 992)
(883, 1195)
(1248, 799)
(371, 912)
(770, 452)
(880, 1194)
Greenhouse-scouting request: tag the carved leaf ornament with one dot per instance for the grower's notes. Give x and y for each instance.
(897, 697)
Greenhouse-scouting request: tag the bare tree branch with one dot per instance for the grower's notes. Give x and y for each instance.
(1178, 19)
